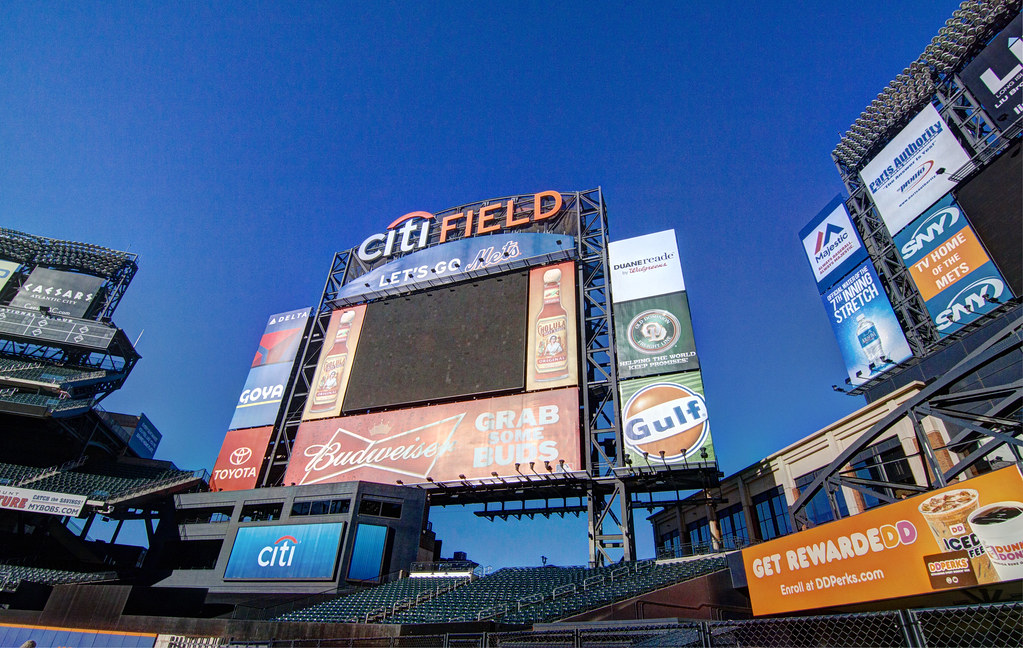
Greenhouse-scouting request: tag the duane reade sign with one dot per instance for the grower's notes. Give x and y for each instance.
(645, 266)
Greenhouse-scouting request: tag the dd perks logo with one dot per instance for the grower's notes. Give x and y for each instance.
(667, 418)
(653, 331)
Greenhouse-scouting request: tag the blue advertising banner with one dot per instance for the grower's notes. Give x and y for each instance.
(271, 367)
(832, 244)
(50, 637)
(867, 331)
(285, 552)
(145, 439)
(950, 267)
(452, 261)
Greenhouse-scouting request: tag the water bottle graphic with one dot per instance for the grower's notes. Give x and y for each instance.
(870, 341)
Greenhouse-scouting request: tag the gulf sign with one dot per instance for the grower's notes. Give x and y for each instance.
(285, 552)
(665, 420)
(944, 539)
(240, 459)
(832, 244)
(950, 267)
(441, 442)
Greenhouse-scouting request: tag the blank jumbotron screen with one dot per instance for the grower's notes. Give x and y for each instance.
(452, 341)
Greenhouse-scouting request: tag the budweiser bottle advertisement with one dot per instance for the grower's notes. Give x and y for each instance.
(332, 368)
(551, 351)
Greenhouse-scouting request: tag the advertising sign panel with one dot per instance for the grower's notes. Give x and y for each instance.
(7, 270)
(53, 637)
(31, 324)
(865, 326)
(666, 414)
(950, 268)
(472, 438)
(64, 293)
(458, 260)
(271, 367)
(959, 536)
(832, 244)
(285, 552)
(654, 336)
(645, 266)
(240, 458)
(914, 170)
(34, 501)
(552, 339)
(145, 438)
(333, 370)
(995, 77)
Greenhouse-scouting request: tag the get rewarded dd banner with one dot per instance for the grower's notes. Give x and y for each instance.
(442, 442)
(654, 336)
(64, 293)
(271, 367)
(666, 414)
(865, 326)
(330, 381)
(950, 268)
(552, 343)
(241, 456)
(959, 536)
(914, 170)
(645, 266)
(832, 244)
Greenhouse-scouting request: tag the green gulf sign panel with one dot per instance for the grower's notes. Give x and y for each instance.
(654, 335)
(665, 421)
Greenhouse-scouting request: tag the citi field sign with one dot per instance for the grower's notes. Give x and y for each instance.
(285, 552)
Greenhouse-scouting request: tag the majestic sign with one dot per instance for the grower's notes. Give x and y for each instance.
(865, 326)
(995, 77)
(950, 268)
(271, 367)
(63, 293)
(552, 341)
(959, 536)
(285, 552)
(145, 438)
(832, 244)
(240, 459)
(665, 421)
(645, 266)
(506, 435)
(458, 260)
(914, 170)
(34, 501)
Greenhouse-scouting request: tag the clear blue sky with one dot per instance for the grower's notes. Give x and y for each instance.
(236, 146)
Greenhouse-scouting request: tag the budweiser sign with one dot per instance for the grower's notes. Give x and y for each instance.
(472, 438)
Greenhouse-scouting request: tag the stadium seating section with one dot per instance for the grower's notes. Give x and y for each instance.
(99, 481)
(11, 575)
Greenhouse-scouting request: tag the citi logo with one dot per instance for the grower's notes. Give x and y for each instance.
(932, 227)
(969, 301)
(279, 554)
(413, 235)
(241, 456)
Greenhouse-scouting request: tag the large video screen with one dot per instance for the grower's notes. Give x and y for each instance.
(454, 341)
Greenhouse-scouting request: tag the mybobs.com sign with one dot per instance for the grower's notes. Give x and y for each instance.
(417, 230)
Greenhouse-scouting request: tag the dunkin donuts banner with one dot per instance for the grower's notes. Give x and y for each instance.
(442, 442)
(666, 414)
(959, 536)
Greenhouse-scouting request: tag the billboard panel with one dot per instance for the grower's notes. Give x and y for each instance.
(35, 501)
(56, 637)
(645, 266)
(995, 77)
(552, 340)
(240, 458)
(654, 335)
(950, 267)
(832, 244)
(285, 552)
(334, 368)
(64, 293)
(145, 438)
(7, 270)
(665, 421)
(914, 170)
(472, 438)
(865, 326)
(271, 367)
(455, 341)
(958, 536)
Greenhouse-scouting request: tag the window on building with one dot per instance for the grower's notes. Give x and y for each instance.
(380, 508)
(818, 509)
(205, 515)
(884, 461)
(732, 521)
(261, 511)
(320, 507)
(670, 539)
(699, 535)
(772, 513)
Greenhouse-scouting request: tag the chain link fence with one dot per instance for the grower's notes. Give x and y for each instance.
(994, 624)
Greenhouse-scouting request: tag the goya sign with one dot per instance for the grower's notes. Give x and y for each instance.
(285, 552)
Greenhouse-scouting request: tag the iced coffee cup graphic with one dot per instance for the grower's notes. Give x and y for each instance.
(946, 514)
(999, 527)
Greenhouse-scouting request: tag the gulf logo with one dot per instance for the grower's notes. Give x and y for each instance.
(666, 417)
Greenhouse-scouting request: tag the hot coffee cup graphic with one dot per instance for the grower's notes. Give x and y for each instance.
(1000, 529)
